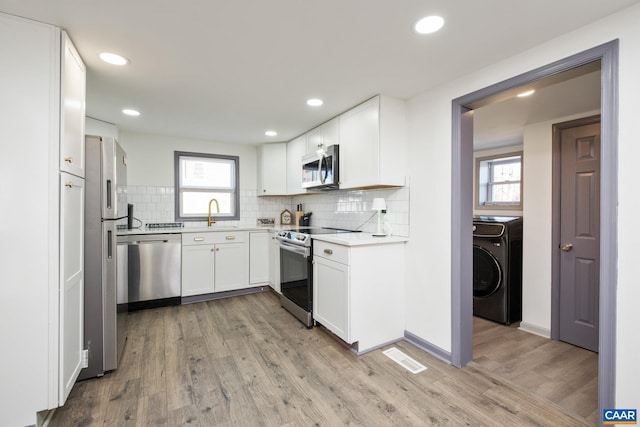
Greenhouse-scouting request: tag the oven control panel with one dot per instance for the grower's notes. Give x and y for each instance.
(294, 237)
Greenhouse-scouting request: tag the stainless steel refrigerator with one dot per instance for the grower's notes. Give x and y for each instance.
(105, 209)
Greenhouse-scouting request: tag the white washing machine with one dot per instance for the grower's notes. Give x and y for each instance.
(497, 268)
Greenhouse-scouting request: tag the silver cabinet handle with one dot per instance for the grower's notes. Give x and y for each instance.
(69, 185)
(328, 251)
(230, 237)
(198, 239)
(566, 247)
(68, 160)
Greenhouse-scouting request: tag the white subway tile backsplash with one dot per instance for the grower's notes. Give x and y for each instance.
(349, 209)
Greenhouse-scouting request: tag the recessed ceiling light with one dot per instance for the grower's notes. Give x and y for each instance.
(314, 102)
(527, 93)
(429, 24)
(271, 133)
(113, 58)
(130, 112)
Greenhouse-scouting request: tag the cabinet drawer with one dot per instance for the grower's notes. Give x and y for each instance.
(213, 237)
(337, 253)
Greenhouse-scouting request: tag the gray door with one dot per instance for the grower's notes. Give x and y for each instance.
(580, 235)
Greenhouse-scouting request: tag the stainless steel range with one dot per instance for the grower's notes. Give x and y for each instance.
(296, 270)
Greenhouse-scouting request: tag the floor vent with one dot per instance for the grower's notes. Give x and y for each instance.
(403, 360)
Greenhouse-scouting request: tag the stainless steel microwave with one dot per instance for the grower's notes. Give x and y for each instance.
(320, 169)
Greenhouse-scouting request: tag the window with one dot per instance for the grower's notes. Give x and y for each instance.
(499, 181)
(201, 178)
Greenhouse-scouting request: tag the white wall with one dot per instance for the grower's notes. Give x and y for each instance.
(151, 159)
(428, 252)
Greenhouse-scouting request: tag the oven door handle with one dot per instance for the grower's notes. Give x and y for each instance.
(300, 250)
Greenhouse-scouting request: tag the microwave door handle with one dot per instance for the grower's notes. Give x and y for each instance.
(321, 169)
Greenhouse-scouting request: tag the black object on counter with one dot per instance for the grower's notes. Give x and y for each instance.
(305, 219)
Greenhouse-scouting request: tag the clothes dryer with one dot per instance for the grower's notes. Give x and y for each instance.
(497, 268)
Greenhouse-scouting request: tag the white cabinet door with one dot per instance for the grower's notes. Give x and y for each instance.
(274, 263)
(324, 135)
(295, 150)
(198, 269)
(71, 281)
(272, 169)
(331, 296)
(72, 109)
(259, 266)
(232, 267)
(359, 148)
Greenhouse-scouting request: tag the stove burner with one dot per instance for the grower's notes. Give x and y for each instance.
(165, 225)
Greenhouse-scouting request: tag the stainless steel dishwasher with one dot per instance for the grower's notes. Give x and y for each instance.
(151, 269)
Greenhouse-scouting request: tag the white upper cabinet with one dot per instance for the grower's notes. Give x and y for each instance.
(272, 169)
(72, 109)
(323, 136)
(373, 144)
(295, 150)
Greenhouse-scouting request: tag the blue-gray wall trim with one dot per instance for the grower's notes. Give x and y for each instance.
(461, 205)
(434, 350)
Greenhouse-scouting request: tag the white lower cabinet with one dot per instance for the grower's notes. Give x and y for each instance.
(274, 263)
(358, 292)
(214, 262)
(231, 267)
(198, 268)
(331, 296)
(259, 250)
(71, 281)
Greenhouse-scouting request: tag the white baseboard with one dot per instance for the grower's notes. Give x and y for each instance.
(533, 329)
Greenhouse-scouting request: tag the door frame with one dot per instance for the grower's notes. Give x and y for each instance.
(462, 201)
(555, 215)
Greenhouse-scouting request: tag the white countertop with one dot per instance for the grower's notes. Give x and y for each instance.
(180, 230)
(358, 239)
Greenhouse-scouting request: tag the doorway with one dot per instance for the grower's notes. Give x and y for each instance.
(461, 254)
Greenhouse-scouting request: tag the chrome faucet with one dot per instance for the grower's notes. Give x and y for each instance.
(212, 220)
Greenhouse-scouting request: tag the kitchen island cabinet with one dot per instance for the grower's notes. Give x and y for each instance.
(358, 291)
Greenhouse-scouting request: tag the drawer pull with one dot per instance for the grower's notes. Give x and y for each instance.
(230, 237)
(198, 239)
(68, 160)
(69, 185)
(328, 251)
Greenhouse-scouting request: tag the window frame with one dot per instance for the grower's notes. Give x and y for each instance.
(496, 158)
(178, 189)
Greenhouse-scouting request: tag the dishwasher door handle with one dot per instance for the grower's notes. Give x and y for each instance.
(140, 242)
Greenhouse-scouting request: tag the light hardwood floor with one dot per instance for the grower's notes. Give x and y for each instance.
(245, 361)
(552, 370)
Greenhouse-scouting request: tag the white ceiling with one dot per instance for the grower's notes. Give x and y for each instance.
(228, 70)
(502, 123)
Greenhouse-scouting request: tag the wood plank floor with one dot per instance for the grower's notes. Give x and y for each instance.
(244, 361)
(552, 370)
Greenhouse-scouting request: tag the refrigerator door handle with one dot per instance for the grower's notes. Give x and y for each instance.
(109, 244)
(109, 194)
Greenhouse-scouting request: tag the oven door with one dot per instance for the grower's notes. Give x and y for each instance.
(295, 274)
